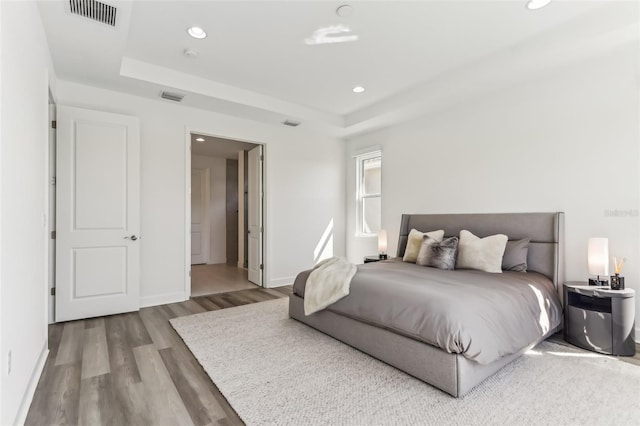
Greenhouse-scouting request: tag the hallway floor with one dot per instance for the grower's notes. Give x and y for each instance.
(219, 278)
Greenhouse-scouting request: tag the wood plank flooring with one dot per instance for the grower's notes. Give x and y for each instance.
(133, 369)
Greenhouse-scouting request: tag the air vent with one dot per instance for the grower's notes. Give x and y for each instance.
(95, 10)
(291, 123)
(176, 97)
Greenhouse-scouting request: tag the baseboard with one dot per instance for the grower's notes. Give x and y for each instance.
(33, 383)
(163, 299)
(279, 282)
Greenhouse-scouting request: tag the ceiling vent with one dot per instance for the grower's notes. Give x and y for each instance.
(176, 97)
(291, 123)
(95, 10)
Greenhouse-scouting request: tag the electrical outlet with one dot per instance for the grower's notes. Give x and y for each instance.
(9, 363)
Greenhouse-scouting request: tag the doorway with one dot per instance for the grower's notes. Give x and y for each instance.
(222, 197)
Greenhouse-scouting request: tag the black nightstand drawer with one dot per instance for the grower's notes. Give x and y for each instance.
(600, 319)
(590, 329)
(597, 304)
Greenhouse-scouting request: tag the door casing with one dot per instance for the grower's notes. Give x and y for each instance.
(187, 203)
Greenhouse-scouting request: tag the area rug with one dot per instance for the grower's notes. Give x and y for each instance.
(274, 370)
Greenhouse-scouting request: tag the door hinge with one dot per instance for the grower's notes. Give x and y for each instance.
(53, 291)
(261, 266)
(53, 235)
(189, 274)
(54, 124)
(53, 180)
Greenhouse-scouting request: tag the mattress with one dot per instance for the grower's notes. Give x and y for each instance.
(480, 315)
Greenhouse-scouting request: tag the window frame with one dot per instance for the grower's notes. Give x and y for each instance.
(360, 194)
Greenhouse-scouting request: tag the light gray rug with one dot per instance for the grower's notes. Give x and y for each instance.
(275, 370)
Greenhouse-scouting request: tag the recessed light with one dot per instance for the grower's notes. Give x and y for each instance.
(196, 32)
(200, 140)
(537, 4)
(358, 89)
(344, 11)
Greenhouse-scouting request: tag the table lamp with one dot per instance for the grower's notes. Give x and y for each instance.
(382, 243)
(598, 260)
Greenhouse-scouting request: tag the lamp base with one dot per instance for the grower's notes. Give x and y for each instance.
(598, 282)
(383, 256)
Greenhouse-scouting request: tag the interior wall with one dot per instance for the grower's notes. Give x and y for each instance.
(298, 210)
(217, 205)
(25, 70)
(566, 141)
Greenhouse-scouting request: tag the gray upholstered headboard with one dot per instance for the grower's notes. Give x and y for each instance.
(546, 231)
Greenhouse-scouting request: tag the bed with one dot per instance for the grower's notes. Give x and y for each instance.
(393, 310)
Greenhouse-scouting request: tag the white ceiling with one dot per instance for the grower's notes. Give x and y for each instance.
(255, 63)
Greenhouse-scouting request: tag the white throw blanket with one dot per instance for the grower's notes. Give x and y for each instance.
(327, 283)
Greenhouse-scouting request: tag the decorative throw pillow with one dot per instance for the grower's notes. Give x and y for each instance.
(414, 241)
(484, 254)
(438, 254)
(515, 255)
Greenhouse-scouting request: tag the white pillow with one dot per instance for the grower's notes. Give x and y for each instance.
(414, 242)
(484, 254)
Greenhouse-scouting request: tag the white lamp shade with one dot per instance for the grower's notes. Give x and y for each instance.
(598, 256)
(382, 241)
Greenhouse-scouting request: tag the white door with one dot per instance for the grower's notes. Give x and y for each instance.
(255, 215)
(199, 216)
(52, 212)
(98, 214)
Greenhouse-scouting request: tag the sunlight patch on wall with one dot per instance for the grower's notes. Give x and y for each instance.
(324, 248)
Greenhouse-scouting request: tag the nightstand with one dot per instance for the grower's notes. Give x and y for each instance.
(599, 319)
(369, 259)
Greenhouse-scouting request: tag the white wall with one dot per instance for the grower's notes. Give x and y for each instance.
(304, 186)
(566, 141)
(25, 70)
(217, 205)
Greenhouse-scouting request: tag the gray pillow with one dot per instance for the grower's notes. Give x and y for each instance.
(438, 254)
(515, 255)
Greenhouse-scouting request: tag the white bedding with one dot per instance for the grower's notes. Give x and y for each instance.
(328, 282)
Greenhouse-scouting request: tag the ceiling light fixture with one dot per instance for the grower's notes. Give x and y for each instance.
(332, 34)
(537, 4)
(200, 140)
(190, 53)
(291, 123)
(358, 89)
(196, 32)
(344, 11)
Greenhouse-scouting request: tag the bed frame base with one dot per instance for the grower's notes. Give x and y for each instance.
(452, 373)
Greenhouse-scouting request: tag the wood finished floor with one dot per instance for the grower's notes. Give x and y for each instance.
(133, 369)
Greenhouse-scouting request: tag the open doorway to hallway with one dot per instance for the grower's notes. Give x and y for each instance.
(222, 198)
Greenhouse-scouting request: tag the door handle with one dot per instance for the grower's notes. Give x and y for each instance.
(132, 238)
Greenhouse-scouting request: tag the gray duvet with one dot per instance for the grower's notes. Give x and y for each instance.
(480, 315)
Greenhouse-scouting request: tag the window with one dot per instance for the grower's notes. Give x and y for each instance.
(369, 193)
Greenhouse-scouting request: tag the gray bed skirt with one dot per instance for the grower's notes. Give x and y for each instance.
(452, 373)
